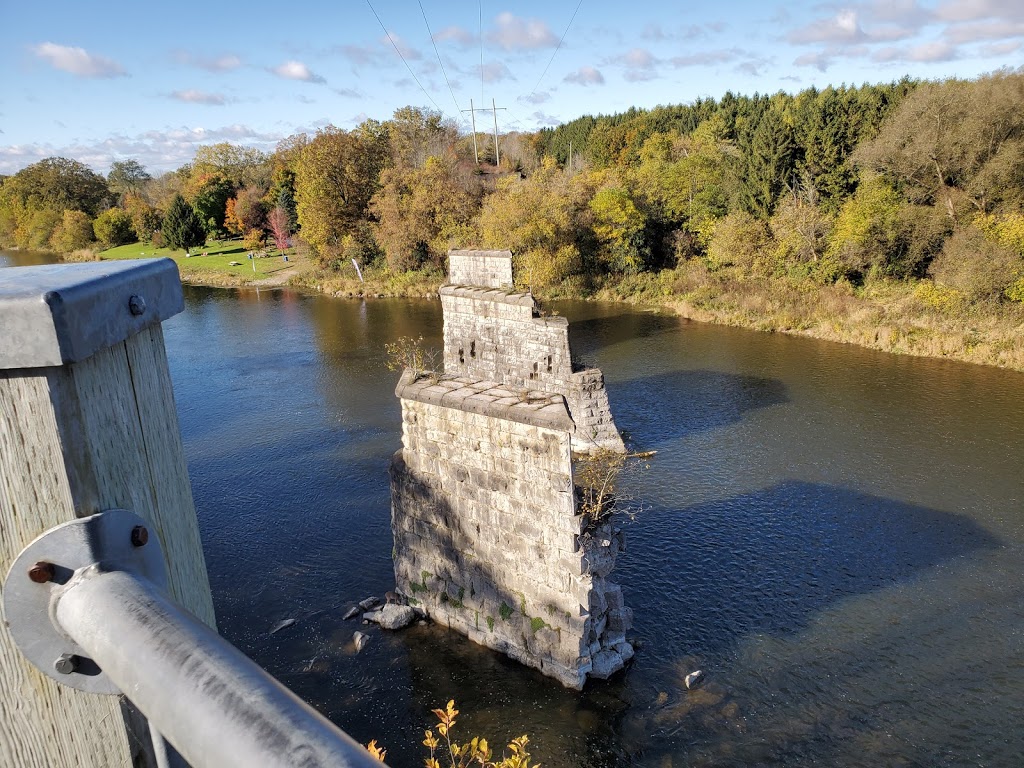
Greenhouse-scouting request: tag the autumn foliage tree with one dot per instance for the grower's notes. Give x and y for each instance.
(280, 227)
(336, 175)
(421, 213)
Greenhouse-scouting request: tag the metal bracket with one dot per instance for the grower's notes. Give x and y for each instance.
(115, 540)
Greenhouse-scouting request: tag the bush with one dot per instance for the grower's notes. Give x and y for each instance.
(977, 267)
(73, 233)
(739, 240)
(114, 227)
(254, 240)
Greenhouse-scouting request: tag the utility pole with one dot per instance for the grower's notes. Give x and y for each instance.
(472, 111)
(497, 156)
(472, 114)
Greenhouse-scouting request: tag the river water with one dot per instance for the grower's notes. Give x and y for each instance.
(835, 536)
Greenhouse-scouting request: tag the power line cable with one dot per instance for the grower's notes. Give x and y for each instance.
(399, 52)
(556, 49)
(480, 5)
(439, 58)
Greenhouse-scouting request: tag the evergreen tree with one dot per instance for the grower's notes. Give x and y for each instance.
(182, 227)
(769, 164)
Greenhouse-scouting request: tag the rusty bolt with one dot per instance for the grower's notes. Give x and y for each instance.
(137, 305)
(41, 572)
(139, 536)
(67, 663)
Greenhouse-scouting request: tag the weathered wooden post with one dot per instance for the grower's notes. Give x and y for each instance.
(88, 423)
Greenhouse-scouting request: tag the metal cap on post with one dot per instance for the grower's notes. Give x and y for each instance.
(61, 313)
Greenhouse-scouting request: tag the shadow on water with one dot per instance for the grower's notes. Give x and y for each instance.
(688, 402)
(597, 334)
(770, 560)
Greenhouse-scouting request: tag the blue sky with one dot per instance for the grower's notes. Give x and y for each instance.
(119, 80)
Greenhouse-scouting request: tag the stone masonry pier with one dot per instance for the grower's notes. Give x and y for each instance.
(488, 538)
(496, 333)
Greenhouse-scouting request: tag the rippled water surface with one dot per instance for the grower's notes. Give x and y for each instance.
(833, 535)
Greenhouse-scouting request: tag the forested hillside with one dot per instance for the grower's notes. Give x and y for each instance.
(888, 209)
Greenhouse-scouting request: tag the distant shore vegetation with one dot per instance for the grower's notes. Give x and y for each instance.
(885, 215)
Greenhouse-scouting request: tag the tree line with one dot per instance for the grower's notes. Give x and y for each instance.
(902, 181)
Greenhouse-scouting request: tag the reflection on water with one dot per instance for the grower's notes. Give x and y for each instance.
(834, 535)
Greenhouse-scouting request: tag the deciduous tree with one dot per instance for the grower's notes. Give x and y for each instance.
(114, 227)
(336, 175)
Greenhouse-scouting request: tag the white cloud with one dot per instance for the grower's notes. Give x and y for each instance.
(1002, 49)
(841, 28)
(538, 97)
(543, 119)
(199, 97)
(820, 60)
(926, 52)
(351, 93)
(653, 31)
(404, 48)
(224, 63)
(639, 58)
(514, 33)
(455, 34)
(976, 10)
(495, 72)
(78, 61)
(158, 150)
(585, 76)
(980, 31)
(296, 70)
(704, 58)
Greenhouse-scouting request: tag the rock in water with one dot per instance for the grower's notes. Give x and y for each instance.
(351, 613)
(282, 624)
(694, 679)
(360, 639)
(606, 663)
(392, 616)
(368, 603)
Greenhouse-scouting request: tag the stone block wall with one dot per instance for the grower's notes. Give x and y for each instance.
(488, 269)
(487, 535)
(497, 334)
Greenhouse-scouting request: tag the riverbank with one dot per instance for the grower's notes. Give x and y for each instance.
(909, 318)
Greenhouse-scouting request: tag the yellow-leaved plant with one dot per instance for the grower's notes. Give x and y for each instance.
(473, 753)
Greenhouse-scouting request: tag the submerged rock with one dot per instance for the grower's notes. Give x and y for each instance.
(360, 639)
(694, 679)
(351, 613)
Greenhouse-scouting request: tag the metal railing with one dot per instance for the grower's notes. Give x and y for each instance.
(85, 604)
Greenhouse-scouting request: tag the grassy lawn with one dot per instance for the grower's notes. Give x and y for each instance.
(213, 259)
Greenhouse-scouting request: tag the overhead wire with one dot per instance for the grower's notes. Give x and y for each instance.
(480, 5)
(436, 53)
(402, 56)
(553, 53)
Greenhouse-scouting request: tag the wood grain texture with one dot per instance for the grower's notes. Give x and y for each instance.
(74, 440)
(42, 723)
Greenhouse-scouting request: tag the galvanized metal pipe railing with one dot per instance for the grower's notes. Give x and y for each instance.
(212, 703)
